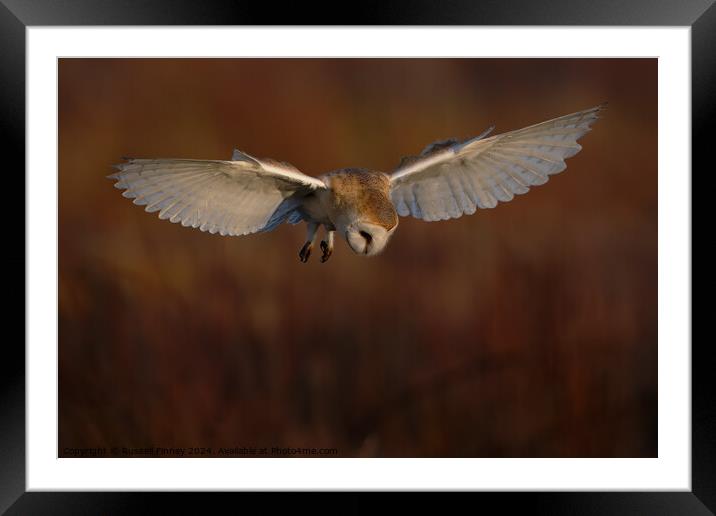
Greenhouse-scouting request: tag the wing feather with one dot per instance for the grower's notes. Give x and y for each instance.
(237, 197)
(450, 179)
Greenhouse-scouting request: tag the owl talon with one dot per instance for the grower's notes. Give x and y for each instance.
(327, 251)
(305, 253)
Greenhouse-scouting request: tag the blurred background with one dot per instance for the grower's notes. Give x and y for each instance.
(529, 330)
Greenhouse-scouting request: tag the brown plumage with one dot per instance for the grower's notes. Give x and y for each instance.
(365, 191)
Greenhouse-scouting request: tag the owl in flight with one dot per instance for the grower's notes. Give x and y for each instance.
(448, 179)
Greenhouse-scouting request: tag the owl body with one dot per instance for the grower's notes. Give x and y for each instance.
(356, 203)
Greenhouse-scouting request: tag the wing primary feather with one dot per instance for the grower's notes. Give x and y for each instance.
(481, 136)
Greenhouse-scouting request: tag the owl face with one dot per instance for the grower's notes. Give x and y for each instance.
(366, 238)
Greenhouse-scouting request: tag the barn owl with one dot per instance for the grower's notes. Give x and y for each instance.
(449, 178)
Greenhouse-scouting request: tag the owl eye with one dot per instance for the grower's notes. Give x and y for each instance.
(366, 235)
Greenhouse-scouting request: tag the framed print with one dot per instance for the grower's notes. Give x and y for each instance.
(335, 308)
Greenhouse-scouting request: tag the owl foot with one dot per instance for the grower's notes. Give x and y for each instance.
(305, 252)
(327, 251)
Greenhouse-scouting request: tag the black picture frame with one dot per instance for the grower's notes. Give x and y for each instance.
(17, 15)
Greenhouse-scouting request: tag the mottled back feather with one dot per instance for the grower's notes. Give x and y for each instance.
(366, 191)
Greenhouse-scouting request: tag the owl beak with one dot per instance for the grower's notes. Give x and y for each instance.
(354, 244)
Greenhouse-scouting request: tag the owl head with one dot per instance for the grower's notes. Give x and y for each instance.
(368, 238)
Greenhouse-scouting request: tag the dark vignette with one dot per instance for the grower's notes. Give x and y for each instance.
(21, 13)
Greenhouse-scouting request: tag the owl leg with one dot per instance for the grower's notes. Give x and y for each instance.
(327, 246)
(305, 251)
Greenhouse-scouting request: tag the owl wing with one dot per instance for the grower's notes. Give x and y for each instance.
(237, 197)
(452, 178)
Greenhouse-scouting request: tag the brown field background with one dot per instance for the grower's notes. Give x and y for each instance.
(527, 330)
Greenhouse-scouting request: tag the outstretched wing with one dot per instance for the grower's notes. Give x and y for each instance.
(237, 197)
(453, 178)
